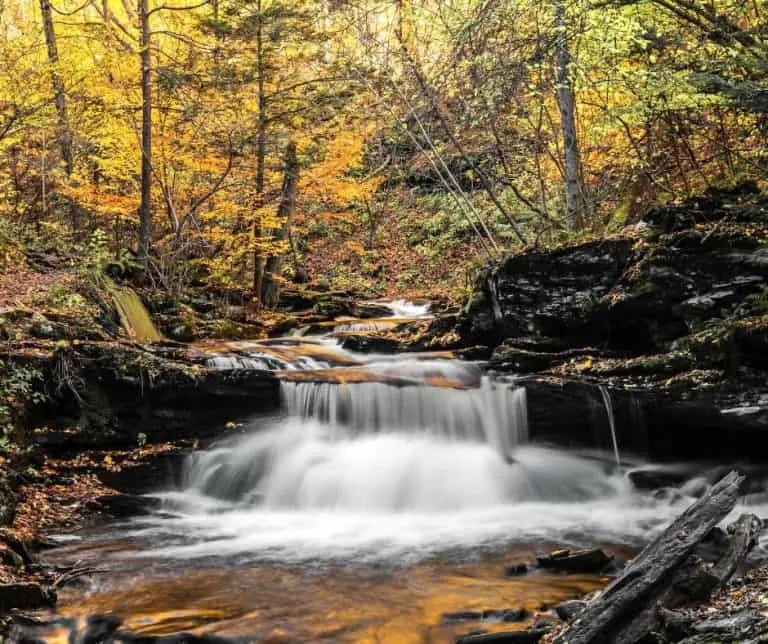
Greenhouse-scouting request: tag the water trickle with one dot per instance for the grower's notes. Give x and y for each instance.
(608, 404)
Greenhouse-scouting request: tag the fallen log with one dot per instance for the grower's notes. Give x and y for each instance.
(626, 610)
(693, 582)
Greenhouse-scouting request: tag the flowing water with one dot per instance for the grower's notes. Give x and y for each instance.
(387, 491)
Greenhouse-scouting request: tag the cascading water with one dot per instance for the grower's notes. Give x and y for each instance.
(394, 457)
(608, 404)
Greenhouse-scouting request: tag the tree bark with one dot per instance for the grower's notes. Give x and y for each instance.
(615, 614)
(60, 101)
(567, 105)
(274, 266)
(259, 261)
(60, 97)
(145, 209)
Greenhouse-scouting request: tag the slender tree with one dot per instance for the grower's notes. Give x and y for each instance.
(145, 208)
(566, 102)
(59, 92)
(274, 266)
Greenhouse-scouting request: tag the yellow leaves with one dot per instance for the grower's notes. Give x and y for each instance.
(355, 247)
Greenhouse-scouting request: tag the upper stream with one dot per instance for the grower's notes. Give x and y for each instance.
(388, 489)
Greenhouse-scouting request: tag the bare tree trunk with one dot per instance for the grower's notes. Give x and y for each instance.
(567, 105)
(60, 100)
(259, 261)
(145, 209)
(271, 290)
(60, 97)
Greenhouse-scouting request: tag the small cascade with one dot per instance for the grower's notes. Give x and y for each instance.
(406, 309)
(133, 315)
(492, 413)
(608, 403)
(227, 362)
(368, 325)
(281, 354)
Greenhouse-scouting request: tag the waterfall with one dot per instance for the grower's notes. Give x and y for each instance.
(390, 456)
(133, 315)
(493, 413)
(608, 404)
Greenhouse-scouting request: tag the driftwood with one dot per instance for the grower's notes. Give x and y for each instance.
(667, 573)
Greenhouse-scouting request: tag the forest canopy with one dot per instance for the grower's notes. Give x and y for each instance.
(363, 144)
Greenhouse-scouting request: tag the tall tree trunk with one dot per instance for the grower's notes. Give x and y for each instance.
(60, 100)
(145, 209)
(60, 97)
(259, 261)
(567, 104)
(274, 268)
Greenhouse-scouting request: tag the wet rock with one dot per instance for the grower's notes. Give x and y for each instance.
(15, 548)
(25, 595)
(162, 392)
(508, 615)
(371, 310)
(494, 615)
(516, 570)
(462, 616)
(99, 628)
(567, 610)
(547, 622)
(734, 627)
(127, 505)
(181, 332)
(714, 205)
(660, 425)
(654, 478)
(545, 293)
(180, 638)
(576, 561)
(334, 306)
(369, 343)
(530, 636)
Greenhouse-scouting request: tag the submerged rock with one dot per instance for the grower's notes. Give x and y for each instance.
(516, 570)
(576, 561)
(530, 636)
(126, 505)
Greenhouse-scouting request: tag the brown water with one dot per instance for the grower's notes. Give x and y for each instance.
(310, 604)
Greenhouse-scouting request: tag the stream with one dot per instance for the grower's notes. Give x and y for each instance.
(387, 491)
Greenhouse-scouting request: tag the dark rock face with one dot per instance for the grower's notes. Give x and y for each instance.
(25, 595)
(658, 425)
(116, 392)
(638, 294)
(547, 293)
(673, 321)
